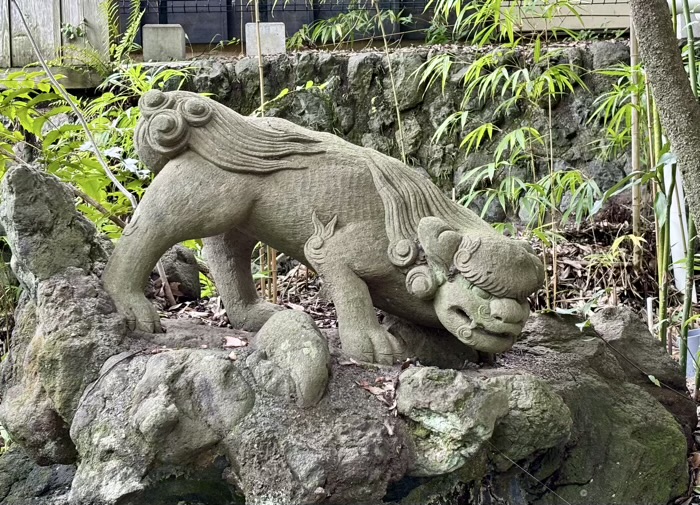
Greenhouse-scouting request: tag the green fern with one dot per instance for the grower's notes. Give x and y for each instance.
(89, 58)
(127, 43)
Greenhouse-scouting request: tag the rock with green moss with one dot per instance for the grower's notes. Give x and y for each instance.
(66, 324)
(177, 417)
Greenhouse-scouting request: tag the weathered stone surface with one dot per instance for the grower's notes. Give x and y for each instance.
(23, 482)
(293, 344)
(181, 267)
(46, 236)
(606, 54)
(457, 413)
(66, 324)
(206, 420)
(614, 417)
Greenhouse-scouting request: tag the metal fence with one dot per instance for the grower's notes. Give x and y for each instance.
(207, 21)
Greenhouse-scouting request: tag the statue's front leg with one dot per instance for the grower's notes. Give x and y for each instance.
(128, 270)
(361, 335)
(215, 202)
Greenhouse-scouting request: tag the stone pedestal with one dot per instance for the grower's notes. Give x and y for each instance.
(272, 39)
(163, 43)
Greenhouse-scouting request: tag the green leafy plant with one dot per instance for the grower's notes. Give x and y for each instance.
(358, 21)
(121, 44)
(73, 32)
(38, 117)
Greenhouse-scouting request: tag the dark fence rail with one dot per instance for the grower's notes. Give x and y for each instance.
(210, 21)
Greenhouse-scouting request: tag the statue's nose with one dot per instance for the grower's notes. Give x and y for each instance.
(507, 310)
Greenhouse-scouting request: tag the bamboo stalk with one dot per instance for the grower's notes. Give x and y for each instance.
(274, 277)
(268, 290)
(658, 187)
(263, 264)
(399, 123)
(650, 126)
(665, 253)
(688, 295)
(243, 41)
(261, 73)
(690, 249)
(550, 127)
(636, 189)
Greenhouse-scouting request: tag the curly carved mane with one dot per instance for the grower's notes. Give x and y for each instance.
(175, 121)
(407, 198)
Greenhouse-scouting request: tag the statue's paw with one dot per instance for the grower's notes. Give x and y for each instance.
(252, 317)
(375, 346)
(140, 314)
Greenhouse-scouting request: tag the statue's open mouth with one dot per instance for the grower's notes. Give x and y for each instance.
(499, 337)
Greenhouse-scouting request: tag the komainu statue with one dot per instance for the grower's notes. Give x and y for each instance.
(377, 232)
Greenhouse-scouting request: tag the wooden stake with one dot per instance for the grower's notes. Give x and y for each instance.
(260, 58)
(636, 165)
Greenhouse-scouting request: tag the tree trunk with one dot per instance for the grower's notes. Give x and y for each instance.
(678, 108)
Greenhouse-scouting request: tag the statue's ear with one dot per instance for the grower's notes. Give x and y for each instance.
(438, 240)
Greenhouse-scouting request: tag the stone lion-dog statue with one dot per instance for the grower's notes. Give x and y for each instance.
(377, 232)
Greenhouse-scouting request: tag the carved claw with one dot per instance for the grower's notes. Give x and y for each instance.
(140, 314)
(375, 346)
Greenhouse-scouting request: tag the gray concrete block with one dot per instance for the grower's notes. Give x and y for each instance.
(163, 43)
(272, 39)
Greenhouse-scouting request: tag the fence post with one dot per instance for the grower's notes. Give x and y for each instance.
(163, 12)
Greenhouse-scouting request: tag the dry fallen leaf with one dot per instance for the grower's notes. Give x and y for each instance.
(389, 428)
(694, 460)
(234, 342)
(373, 389)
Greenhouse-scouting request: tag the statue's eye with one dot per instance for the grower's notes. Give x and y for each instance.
(481, 293)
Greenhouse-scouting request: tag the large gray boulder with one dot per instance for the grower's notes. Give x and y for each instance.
(66, 325)
(213, 416)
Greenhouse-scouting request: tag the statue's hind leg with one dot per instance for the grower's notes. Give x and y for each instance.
(161, 221)
(228, 256)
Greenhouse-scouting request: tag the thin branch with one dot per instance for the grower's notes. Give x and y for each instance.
(166, 285)
(399, 123)
(93, 203)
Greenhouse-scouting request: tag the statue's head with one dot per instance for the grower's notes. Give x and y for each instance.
(479, 284)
